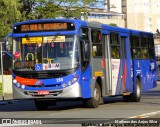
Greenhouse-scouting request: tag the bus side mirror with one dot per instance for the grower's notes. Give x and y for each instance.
(8, 44)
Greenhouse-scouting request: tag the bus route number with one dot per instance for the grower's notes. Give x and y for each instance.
(59, 79)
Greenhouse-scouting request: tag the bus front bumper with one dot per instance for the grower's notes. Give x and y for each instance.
(73, 91)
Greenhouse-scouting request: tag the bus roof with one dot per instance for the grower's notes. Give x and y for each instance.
(89, 24)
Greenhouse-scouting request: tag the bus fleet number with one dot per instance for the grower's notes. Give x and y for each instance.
(59, 79)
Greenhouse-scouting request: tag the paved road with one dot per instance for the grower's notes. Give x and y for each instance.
(113, 108)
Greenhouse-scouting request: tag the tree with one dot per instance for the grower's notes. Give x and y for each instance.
(9, 14)
(61, 8)
(113, 24)
(12, 11)
(26, 8)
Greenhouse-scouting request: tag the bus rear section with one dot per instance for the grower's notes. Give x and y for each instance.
(144, 60)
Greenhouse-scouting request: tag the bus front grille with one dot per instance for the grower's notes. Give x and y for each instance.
(40, 75)
(45, 74)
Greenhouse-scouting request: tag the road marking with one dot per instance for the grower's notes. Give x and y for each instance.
(146, 115)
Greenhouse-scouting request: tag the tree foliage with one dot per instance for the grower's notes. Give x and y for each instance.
(12, 11)
(9, 14)
(113, 24)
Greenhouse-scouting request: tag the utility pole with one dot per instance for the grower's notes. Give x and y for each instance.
(86, 9)
(2, 69)
(108, 5)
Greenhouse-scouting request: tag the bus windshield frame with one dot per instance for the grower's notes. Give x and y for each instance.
(58, 52)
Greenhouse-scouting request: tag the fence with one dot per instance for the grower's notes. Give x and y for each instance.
(7, 87)
(0, 88)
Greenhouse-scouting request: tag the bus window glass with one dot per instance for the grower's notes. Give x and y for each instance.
(144, 53)
(96, 43)
(114, 39)
(115, 45)
(151, 48)
(144, 42)
(135, 47)
(135, 41)
(96, 36)
(136, 53)
(63, 51)
(84, 34)
(97, 50)
(115, 52)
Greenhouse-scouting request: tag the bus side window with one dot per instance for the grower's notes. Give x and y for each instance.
(136, 53)
(144, 53)
(96, 43)
(115, 52)
(151, 48)
(135, 47)
(115, 45)
(84, 47)
(144, 47)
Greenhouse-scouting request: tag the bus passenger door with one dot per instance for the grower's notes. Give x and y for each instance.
(126, 65)
(107, 69)
(120, 74)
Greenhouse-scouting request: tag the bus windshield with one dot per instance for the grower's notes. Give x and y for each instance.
(46, 53)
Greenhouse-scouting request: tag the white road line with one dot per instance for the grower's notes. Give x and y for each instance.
(146, 115)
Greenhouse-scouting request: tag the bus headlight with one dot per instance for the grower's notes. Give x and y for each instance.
(74, 80)
(64, 85)
(18, 84)
(23, 86)
(14, 81)
(69, 83)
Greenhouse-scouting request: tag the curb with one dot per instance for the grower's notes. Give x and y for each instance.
(5, 102)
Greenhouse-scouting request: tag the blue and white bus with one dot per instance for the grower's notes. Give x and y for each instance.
(68, 58)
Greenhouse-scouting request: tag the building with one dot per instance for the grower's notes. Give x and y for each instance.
(115, 5)
(104, 16)
(139, 14)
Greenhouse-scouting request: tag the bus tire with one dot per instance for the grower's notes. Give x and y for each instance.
(126, 98)
(95, 100)
(136, 96)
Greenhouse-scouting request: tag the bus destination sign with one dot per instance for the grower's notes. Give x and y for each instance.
(45, 26)
(36, 27)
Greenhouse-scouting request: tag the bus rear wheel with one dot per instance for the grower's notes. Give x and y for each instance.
(95, 100)
(136, 96)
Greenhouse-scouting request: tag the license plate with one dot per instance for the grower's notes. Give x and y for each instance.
(43, 92)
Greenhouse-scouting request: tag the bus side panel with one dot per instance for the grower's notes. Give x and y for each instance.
(116, 76)
(121, 77)
(147, 75)
(86, 83)
(97, 74)
(154, 72)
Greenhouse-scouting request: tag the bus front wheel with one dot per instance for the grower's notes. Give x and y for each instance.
(136, 96)
(95, 100)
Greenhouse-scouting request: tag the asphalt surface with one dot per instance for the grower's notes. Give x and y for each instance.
(74, 113)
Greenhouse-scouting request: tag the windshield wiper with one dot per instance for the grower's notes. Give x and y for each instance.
(55, 37)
